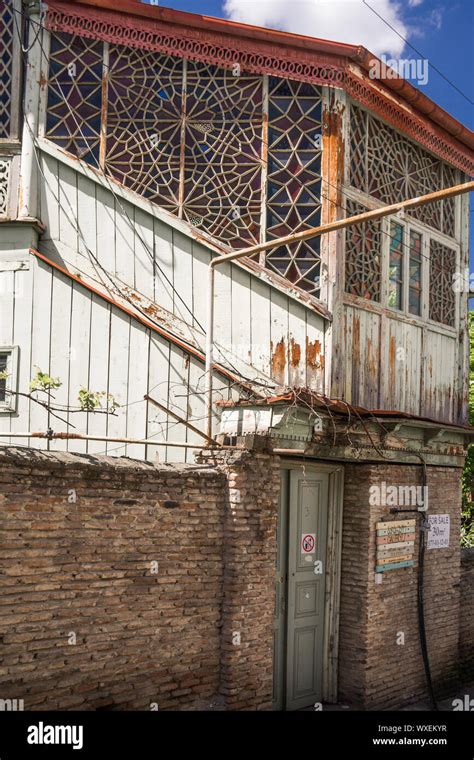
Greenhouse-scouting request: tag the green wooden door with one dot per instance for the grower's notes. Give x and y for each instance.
(300, 587)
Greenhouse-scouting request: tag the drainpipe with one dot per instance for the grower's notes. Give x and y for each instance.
(424, 527)
(28, 180)
(296, 237)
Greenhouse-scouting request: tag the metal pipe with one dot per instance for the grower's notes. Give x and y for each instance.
(83, 437)
(366, 216)
(210, 345)
(177, 417)
(377, 213)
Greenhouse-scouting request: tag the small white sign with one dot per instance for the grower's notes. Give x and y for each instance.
(438, 535)
(308, 543)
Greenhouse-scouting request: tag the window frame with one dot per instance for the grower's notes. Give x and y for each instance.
(9, 405)
(408, 227)
(427, 234)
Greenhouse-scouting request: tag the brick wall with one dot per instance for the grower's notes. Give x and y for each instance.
(249, 578)
(375, 671)
(80, 535)
(466, 633)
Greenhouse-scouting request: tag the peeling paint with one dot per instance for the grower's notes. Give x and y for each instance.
(295, 353)
(279, 361)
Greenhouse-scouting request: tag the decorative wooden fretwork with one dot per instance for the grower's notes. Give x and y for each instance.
(363, 255)
(190, 137)
(75, 95)
(391, 168)
(256, 57)
(4, 182)
(223, 148)
(294, 178)
(144, 104)
(442, 294)
(7, 30)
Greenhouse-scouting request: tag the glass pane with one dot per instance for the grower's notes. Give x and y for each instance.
(395, 287)
(3, 383)
(414, 298)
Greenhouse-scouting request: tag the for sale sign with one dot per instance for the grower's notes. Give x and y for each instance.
(438, 534)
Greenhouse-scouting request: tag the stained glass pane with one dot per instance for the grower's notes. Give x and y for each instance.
(442, 268)
(189, 137)
(294, 178)
(3, 383)
(223, 144)
(363, 252)
(414, 283)
(144, 104)
(75, 96)
(390, 167)
(395, 267)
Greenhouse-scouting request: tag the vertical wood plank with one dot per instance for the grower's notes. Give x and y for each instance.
(68, 206)
(163, 273)
(279, 338)
(158, 380)
(118, 379)
(105, 228)
(22, 338)
(124, 242)
(40, 341)
(61, 353)
(99, 368)
(79, 360)
(260, 325)
(144, 253)
(137, 388)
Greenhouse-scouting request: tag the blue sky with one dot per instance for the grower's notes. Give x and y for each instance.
(441, 31)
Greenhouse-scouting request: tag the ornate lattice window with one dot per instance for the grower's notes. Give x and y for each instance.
(144, 105)
(10, 65)
(294, 178)
(387, 166)
(192, 138)
(223, 147)
(442, 295)
(75, 95)
(6, 62)
(363, 255)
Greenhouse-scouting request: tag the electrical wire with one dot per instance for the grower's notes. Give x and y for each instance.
(418, 52)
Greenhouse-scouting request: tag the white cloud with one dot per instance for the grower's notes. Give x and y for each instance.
(414, 3)
(342, 20)
(436, 19)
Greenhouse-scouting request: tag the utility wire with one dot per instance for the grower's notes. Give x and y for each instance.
(418, 52)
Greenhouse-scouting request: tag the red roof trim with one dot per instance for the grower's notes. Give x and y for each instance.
(273, 52)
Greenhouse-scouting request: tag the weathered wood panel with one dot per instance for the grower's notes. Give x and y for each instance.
(401, 362)
(440, 372)
(362, 357)
(409, 366)
(254, 321)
